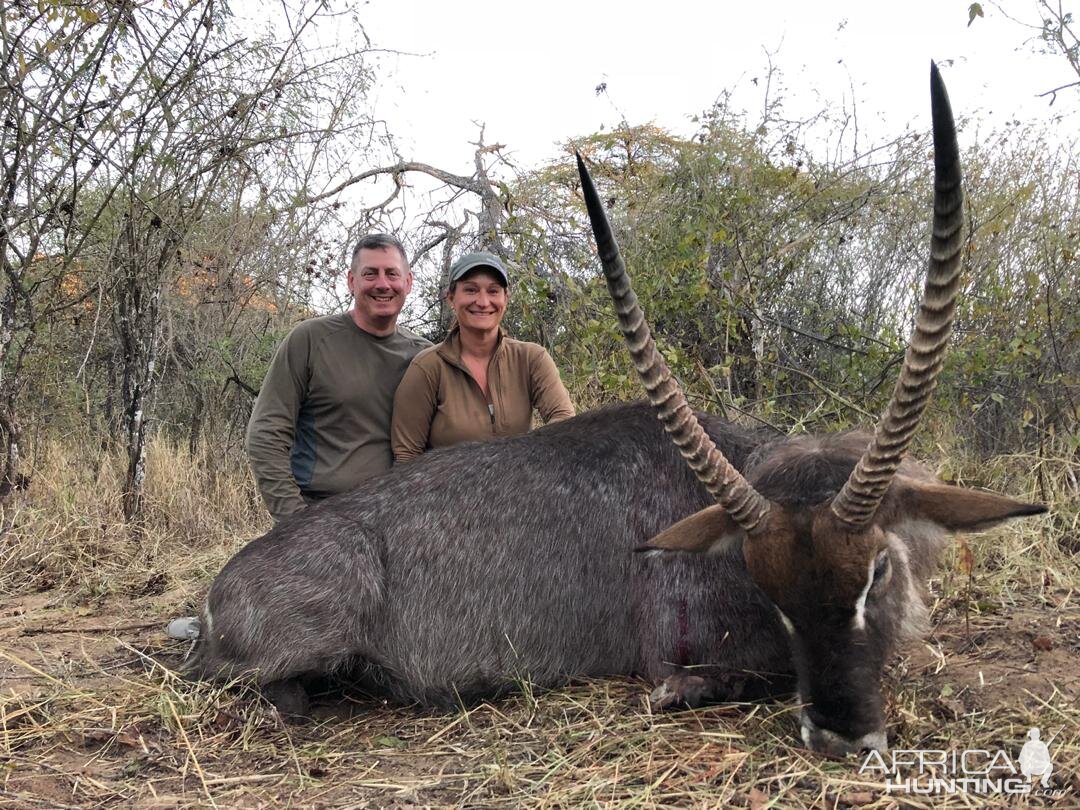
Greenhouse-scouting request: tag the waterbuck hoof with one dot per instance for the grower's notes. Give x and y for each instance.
(680, 690)
(290, 699)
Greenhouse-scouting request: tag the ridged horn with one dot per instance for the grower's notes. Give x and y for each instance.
(724, 482)
(862, 493)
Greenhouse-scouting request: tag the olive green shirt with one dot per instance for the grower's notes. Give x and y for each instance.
(321, 423)
(439, 403)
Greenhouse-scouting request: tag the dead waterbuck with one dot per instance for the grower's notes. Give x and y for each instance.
(457, 575)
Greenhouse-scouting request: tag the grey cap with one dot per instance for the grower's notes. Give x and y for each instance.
(473, 261)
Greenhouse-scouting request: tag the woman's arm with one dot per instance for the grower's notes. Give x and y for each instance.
(549, 395)
(415, 402)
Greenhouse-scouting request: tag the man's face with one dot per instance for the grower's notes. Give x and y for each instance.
(379, 282)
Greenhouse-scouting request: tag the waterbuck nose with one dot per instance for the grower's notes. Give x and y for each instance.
(828, 742)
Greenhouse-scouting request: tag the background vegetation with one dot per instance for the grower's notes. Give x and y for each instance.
(177, 197)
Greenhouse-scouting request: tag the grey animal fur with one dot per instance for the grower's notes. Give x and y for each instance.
(461, 573)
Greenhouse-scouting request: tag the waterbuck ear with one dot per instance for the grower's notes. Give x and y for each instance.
(711, 530)
(960, 509)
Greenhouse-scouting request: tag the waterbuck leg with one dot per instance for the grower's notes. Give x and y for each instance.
(290, 698)
(701, 686)
(683, 690)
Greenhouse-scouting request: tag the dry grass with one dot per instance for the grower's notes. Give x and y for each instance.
(92, 715)
(68, 533)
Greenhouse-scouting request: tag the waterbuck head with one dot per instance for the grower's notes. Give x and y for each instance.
(838, 532)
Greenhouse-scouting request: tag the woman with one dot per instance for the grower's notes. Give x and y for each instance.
(478, 383)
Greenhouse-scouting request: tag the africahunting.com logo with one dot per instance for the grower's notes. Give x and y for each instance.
(978, 771)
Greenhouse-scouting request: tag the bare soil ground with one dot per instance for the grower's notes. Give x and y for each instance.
(92, 716)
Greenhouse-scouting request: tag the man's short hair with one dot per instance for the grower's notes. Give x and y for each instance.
(379, 241)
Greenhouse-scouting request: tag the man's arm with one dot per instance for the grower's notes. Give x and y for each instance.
(272, 427)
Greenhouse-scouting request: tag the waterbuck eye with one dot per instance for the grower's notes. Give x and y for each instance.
(882, 567)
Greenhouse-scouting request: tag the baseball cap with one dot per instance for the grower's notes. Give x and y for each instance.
(472, 261)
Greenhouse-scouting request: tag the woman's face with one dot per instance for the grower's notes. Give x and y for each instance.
(478, 300)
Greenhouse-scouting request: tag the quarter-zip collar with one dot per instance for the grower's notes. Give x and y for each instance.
(450, 349)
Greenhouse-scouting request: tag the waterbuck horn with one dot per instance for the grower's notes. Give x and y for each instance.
(724, 482)
(857, 502)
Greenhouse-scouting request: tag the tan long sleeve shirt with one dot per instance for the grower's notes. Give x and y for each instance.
(438, 403)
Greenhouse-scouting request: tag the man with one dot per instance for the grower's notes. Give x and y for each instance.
(321, 423)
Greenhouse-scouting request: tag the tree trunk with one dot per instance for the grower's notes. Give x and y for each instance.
(198, 409)
(138, 322)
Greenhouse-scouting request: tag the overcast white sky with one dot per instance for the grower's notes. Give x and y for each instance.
(529, 70)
